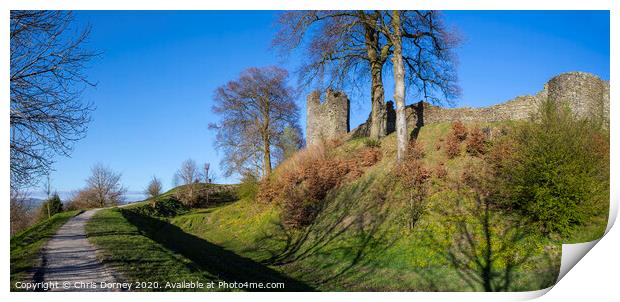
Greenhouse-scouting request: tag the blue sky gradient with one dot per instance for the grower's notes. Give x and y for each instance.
(156, 77)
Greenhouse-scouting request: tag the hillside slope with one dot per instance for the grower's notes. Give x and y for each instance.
(361, 238)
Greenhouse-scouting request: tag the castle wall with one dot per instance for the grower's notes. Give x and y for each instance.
(584, 93)
(328, 119)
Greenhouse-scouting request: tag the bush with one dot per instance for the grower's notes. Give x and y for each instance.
(83, 199)
(438, 145)
(415, 150)
(476, 143)
(459, 131)
(50, 207)
(248, 188)
(267, 191)
(198, 194)
(190, 195)
(372, 143)
(303, 181)
(453, 146)
(356, 166)
(161, 208)
(414, 178)
(440, 171)
(555, 174)
(305, 188)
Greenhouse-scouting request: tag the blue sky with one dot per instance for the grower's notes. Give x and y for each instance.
(159, 69)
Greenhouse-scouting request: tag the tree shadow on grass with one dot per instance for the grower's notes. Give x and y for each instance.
(342, 241)
(214, 259)
(489, 250)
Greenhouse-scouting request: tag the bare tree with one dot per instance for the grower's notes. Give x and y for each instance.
(154, 188)
(188, 177)
(21, 211)
(422, 58)
(105, 186)
(288, 143)
(207, 173)
(342, 46)
(47, 80)
(255, 110)
(85, 198)
(396, 37)
(47, 187)
(188, 173)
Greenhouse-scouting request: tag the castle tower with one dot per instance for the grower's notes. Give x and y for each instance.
(326, 120)
(585, 94)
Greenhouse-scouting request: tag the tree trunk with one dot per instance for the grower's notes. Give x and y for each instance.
(266, 158)
(371, 35)
(402, 136)
(266, 139)
(377, 115)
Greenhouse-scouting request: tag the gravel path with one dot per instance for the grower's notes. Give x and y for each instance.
(69, 259)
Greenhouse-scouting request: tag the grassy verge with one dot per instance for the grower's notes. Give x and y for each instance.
(26, 245)
(146, 248)
(136, 256)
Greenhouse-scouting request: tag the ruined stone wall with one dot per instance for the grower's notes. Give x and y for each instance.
(328, 119)
(586, 95)
(515, 109)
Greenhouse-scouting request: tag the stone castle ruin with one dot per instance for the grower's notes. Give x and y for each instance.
(328, 119)
(584, 93)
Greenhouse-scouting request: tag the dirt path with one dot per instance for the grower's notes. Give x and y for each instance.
(69, 259)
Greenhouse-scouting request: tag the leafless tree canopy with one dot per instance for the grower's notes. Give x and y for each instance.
(428, 54)
(333, 43)
(291, 141)
(189, 177)
(208, 174)
(188, 173)
(104, 186)
(255, 109)
(47, 79)
(344, 47)
(154, 188)
(22, 211)
(82, 199)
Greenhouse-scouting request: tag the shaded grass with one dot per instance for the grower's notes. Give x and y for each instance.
(400, 261)
(404, 260)
(358, 241)
(26, 245)
(128, 250)
(145, 248)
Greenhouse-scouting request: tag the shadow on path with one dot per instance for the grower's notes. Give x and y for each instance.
(68, 257)
(207, 256)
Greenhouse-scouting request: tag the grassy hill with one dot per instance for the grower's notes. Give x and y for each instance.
(360, 239)
(357, 243)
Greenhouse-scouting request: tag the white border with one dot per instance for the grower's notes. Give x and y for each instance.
(596, 278)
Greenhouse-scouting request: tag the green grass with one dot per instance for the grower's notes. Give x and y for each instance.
(339, 253)
(145, 248)
(359, 241)
(135, 255)
(26, 245)
(354, 260)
